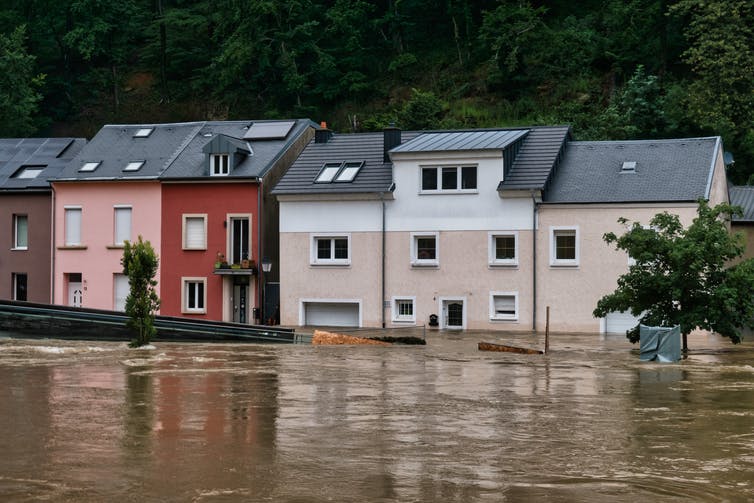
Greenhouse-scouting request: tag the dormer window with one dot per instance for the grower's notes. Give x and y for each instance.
(90, 166)
(219, 164)
(143, 132)
(134, 166)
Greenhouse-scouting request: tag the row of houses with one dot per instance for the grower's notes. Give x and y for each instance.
(286, 221)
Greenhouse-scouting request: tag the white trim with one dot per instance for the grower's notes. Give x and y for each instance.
(555, 262)
(134, 165)
(496, 317)
(314, 237)
(395, 314)
(459, 179)
(491, 245)
(219, 171)
(444, 321)
(416, 261)
(302, 309)
(16, 216)
(184, 307)
(184, 236)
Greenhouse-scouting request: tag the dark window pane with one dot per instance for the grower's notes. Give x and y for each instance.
(323, 248)
(505, 248)
(429, 178)
(20, 287)
(341, 248)
(468, 177)
(200, 295)
(565, 247)
(449, 178)
(425, 248)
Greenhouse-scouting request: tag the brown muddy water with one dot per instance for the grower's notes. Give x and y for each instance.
(91, 421)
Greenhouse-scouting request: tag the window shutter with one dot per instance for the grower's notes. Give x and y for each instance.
(121, 292)
(72, 226)
(505, 305)
(195, 233)
(122, 225)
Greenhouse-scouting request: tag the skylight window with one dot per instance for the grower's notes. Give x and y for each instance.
(349, 171)
(329, 170)
(29, 171)
(143, 132)
(628, 167)
(134, 166)
(90, 166)
(269, 130)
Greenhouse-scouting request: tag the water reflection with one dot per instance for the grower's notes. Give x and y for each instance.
(437, 423)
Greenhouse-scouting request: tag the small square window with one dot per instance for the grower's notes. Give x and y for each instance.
(194, 295)
(134, 166)
(28, 171)
(503, 248)
(468, 178)
(429, 178)
(503, 305)
(564, 248)
(403, 309)
(449, 178)
(143, 132)
(90, 166)
(331, 250)
(424, 250)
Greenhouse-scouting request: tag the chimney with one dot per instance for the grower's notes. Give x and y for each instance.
(322, 135)
(391, 139)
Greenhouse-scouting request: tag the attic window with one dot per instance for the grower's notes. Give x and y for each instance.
(134, 166)
(328, 172)
(143, 132)
(269, 130)
(349, 171)
(28, 171)
(628, 167)
(90, 166)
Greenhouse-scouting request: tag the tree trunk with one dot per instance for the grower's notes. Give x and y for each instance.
(685, 348)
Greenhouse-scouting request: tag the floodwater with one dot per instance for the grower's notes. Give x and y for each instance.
(96, 421)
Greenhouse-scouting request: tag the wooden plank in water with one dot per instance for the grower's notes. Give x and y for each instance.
(489, 346)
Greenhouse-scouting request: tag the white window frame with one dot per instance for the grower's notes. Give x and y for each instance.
(71, 210)
(90, 166)
(118, 233)
(397, 317)
(314, 238)
(459, 179)
(554, 232)
(215, 161)
(492, 248)
(143, 132)
(116, 277)
(184, 235)
(419, 262)
(184, 295)
(134, 166)
(16, 245)
(498, 317)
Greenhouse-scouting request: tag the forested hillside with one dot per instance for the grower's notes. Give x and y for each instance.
(613, 69)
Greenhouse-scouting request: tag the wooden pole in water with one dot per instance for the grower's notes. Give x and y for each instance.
(547, 330)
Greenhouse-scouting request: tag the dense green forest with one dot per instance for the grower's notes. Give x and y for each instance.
(614, 69)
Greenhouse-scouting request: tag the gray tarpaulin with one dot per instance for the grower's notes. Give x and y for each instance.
(660, 343)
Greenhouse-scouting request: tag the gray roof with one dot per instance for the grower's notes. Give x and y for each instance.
(743, 196)
(174, 151)
(53, 154)
(374, 176)
(665, 170)
(537, 158)
(445, 141)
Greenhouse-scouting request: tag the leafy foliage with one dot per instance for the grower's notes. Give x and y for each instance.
(19, 98)
(685, 276)
(140, 264)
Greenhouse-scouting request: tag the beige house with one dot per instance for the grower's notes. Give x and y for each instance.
(480, 229)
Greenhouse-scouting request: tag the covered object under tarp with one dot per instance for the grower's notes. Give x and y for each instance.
(660, 343)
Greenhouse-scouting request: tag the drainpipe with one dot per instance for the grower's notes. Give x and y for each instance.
(535, 208)
(52, 247)
(382, 304)
(260, 293)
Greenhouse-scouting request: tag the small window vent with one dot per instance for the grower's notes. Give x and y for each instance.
(628, 167)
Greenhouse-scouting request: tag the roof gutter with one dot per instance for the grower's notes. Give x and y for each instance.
(711, 175)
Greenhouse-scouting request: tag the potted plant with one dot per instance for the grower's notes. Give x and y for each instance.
(245, 262)
(220, 260)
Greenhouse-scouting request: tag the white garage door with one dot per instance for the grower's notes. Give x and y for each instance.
(331, 314)
(618, 322)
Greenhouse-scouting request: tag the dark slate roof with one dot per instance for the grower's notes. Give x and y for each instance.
(375, 176)
(445, 141)
(174, 151)
(666, 170)
(52, 153)
(743, 196)
(537, 158)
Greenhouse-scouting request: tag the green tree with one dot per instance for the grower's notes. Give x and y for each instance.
(423, 111)
(140, 264)
(19, 98)
(685, 276)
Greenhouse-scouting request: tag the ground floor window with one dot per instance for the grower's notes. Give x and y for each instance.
(194, 293)
(19, 286)
(503, 306)
(403, 309)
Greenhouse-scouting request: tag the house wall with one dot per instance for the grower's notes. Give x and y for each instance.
(719, 185)
(217, 201)
(98, 259)
(572, 292)
(35, 261)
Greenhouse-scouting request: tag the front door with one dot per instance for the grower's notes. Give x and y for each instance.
(75, 294)
(452, 313)
(240, 303)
